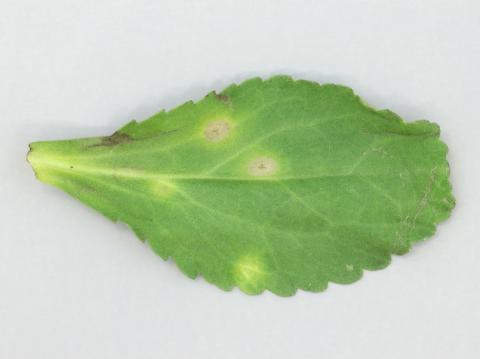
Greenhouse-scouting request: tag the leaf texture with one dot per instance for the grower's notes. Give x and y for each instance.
(272, 184)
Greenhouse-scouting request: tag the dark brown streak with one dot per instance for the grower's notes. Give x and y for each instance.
(116, 139)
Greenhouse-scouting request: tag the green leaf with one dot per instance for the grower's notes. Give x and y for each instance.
(271, 185)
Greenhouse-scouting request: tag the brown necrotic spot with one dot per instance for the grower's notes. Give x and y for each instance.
(116, 139)
(262, 166)
(222, 97)
(216, 131)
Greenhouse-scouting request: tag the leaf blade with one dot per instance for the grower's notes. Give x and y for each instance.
(271, 185)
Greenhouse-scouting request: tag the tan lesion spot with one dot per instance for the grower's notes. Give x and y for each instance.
(217, 131)
(262, 166)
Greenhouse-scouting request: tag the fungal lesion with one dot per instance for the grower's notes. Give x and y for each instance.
(217, 130)
(113, 140)
(249, 272)
(163, 188)
(262, 166)
(223, 98)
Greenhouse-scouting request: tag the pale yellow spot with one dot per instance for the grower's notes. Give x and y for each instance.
(163, 188)
(217, 131)
(262, 166)
(248, 270)
(349, 267)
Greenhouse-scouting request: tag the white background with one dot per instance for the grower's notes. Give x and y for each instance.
(74, 285)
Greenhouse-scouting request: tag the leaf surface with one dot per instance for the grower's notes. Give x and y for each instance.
(270, 185)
